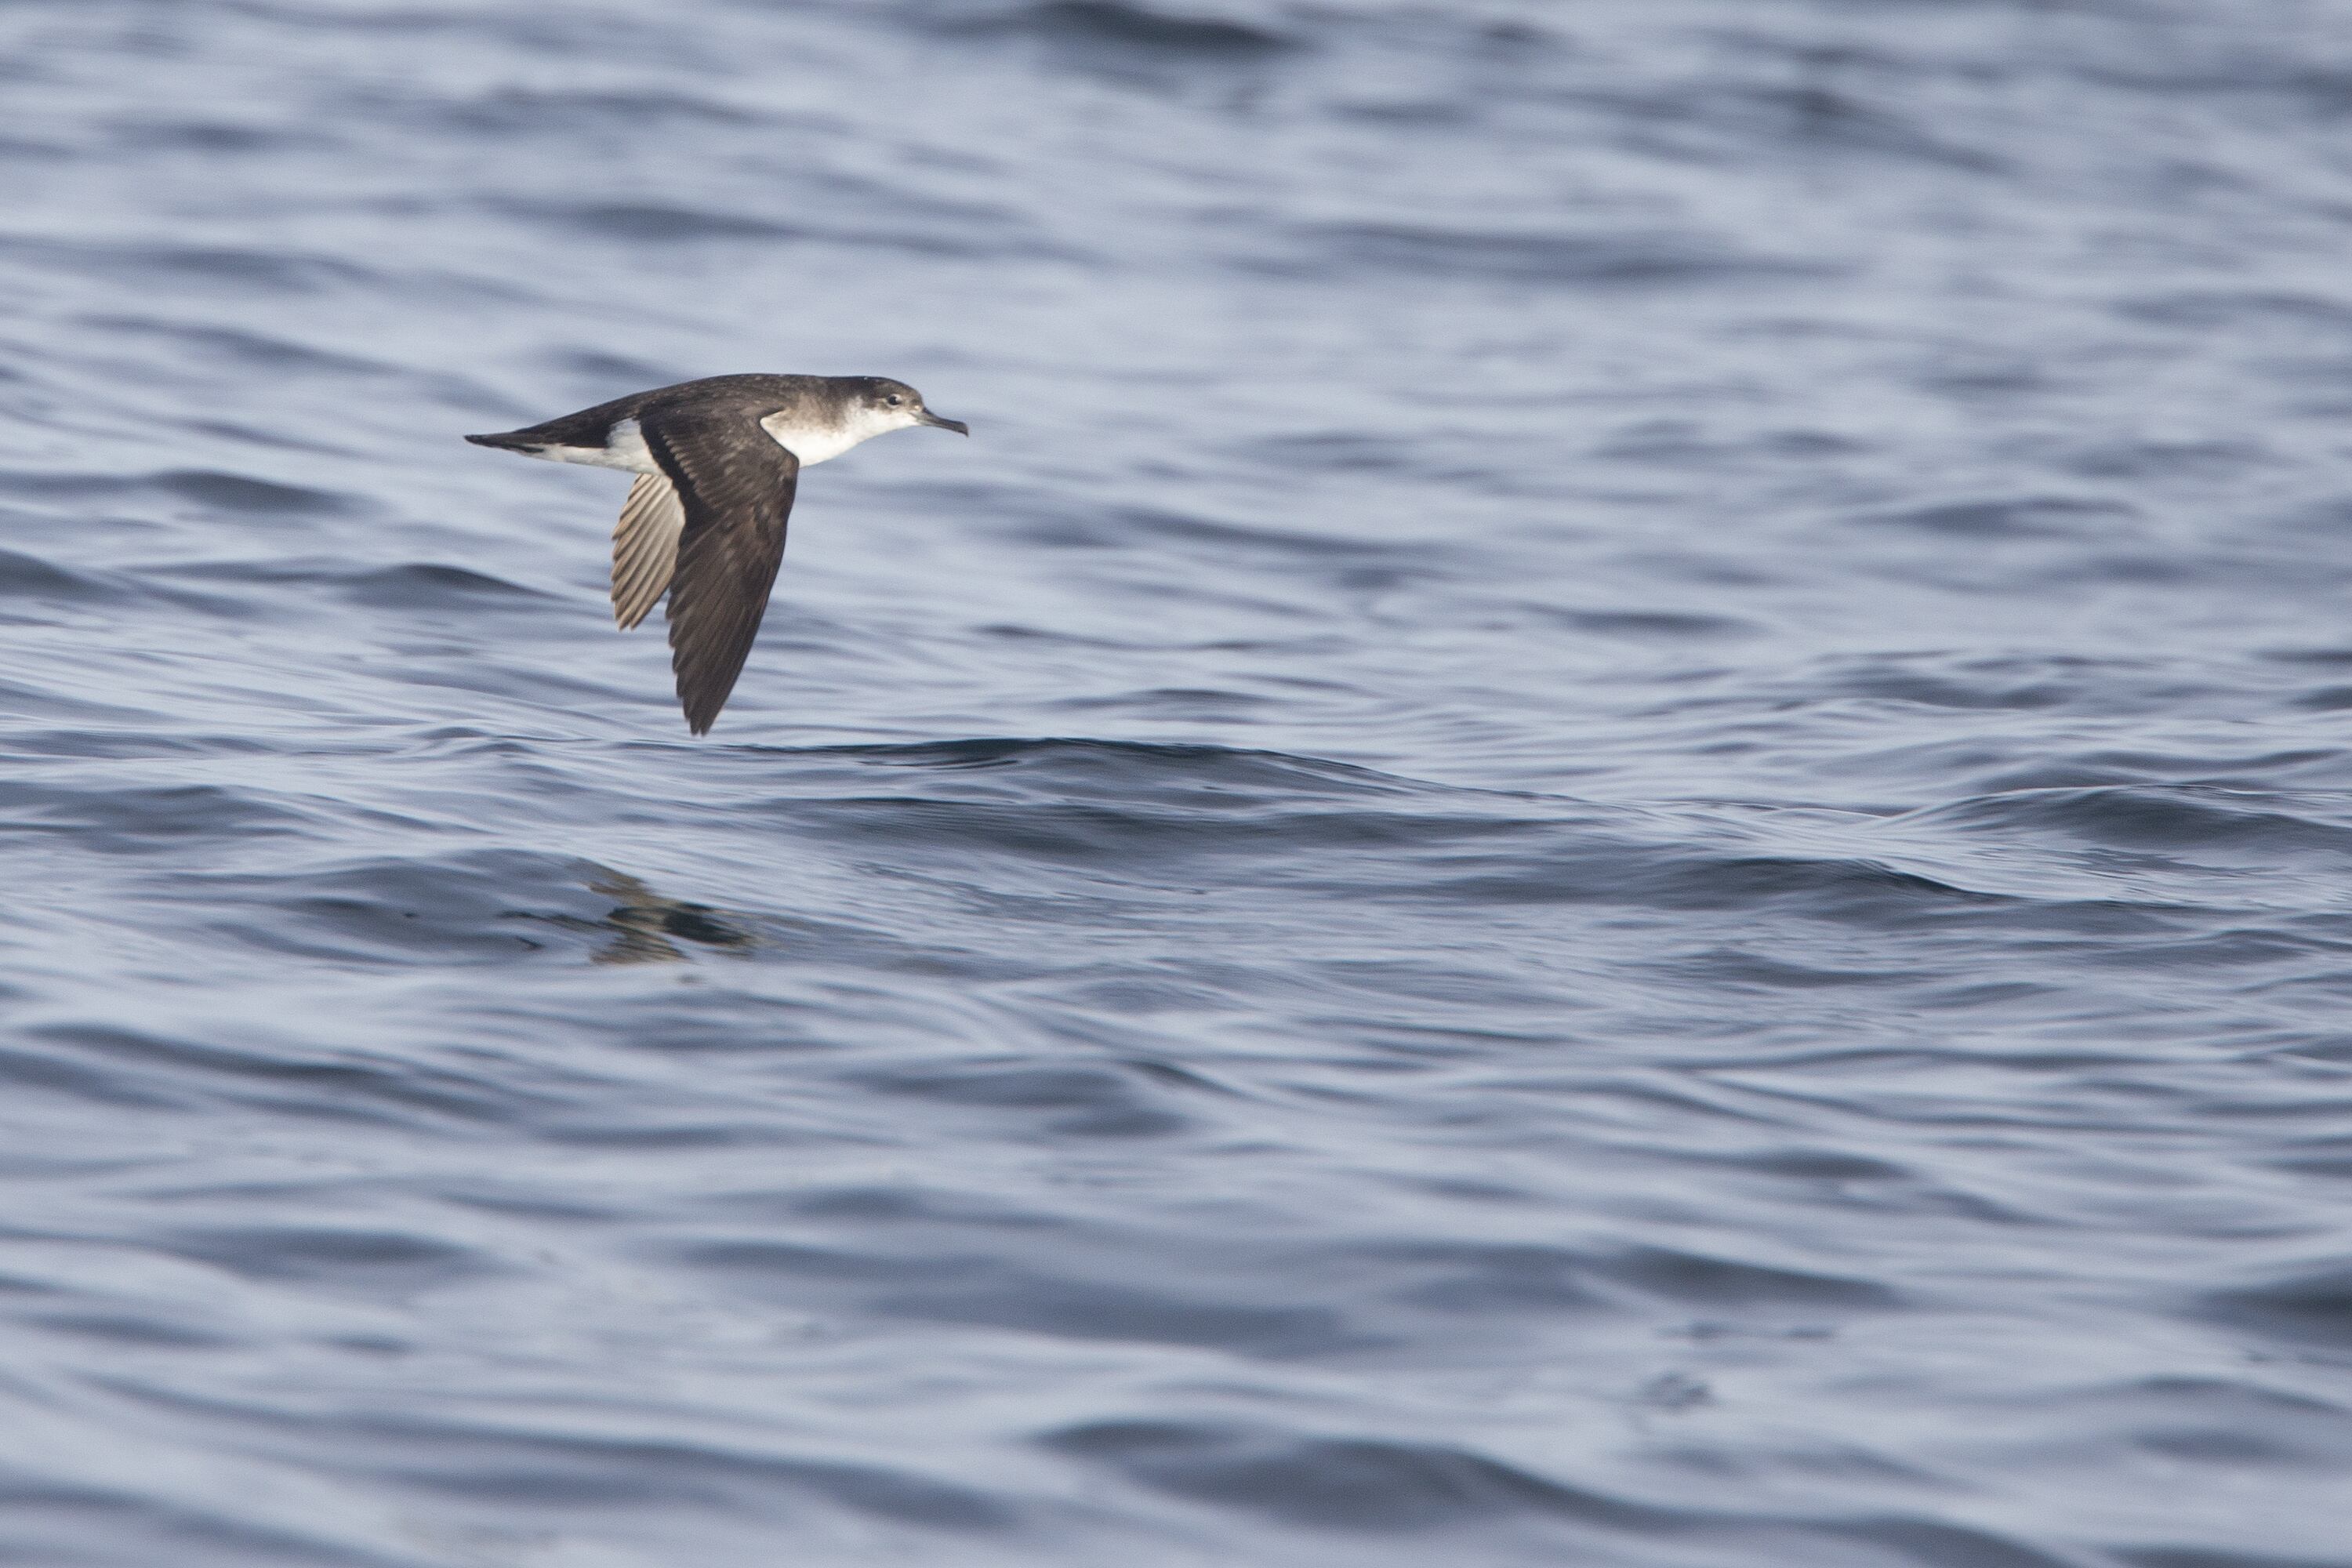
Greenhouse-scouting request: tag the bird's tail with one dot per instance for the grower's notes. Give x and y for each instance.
(508, 440)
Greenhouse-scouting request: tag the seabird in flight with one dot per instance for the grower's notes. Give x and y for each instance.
(717, 461)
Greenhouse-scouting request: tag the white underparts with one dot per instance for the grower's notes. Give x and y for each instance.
(818, 443)
(624, 448)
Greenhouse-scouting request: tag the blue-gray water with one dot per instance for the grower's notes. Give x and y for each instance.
(1608, 822)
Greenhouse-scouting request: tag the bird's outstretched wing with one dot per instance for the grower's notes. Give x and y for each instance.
(736, 486)
(645, 548)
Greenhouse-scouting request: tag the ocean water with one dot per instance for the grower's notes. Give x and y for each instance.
(1607, 822)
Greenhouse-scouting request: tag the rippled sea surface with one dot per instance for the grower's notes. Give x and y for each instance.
(1608, 822)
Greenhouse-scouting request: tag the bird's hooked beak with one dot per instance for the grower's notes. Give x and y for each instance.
(958, 426)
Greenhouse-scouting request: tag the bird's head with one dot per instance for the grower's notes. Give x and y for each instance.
(882, 404)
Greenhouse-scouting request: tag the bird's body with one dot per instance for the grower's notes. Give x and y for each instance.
(717, 461)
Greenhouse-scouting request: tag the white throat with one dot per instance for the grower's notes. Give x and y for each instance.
(818, 443)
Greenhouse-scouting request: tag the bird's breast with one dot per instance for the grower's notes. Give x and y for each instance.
(811, 443)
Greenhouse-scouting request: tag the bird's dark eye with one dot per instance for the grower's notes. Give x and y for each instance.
(893, 400)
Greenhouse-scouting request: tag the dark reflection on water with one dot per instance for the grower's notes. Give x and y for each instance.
(1607, 825)
(646, 928)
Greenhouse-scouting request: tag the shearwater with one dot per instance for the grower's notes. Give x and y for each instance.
(716, 462)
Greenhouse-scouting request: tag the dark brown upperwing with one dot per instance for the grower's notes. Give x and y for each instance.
(737, 485)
